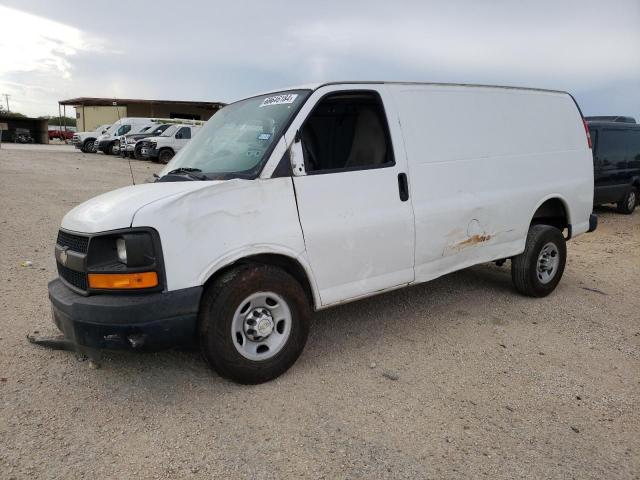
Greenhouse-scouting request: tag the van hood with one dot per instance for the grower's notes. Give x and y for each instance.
(116, 209)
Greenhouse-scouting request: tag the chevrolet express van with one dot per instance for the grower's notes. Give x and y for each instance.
(296, 200)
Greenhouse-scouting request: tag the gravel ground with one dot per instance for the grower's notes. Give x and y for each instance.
(457, 378)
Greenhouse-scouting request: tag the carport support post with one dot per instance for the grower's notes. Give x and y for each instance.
(64, 120)
(3, 126)
(59, 117)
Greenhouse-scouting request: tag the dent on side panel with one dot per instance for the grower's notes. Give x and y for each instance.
(203, 230)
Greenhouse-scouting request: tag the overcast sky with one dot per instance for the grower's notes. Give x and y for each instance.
(223, 51)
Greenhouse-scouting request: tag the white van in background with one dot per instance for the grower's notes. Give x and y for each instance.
(163, 147)
(109, 142)
(297, 200)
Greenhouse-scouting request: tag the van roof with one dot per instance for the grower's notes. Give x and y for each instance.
(611, 119)
(315, 86)
(610, 124)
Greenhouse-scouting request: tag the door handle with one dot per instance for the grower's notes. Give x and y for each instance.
(403, 187)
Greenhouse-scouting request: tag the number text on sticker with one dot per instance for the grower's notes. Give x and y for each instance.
(279, 99)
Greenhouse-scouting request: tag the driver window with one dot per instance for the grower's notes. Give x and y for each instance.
(346, 131)
(123, 129)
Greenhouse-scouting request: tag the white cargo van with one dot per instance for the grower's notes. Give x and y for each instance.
(109, 142)
(163, 147)
(301, 199)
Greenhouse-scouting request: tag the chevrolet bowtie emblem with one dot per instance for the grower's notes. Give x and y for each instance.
(63, 257)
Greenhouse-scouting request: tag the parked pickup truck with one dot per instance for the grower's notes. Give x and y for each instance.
(129, 145)
(163, 147)
(85, 140)
(301, 199)
(61, 134)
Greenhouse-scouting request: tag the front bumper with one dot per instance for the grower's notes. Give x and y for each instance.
(153, 321)
(147, 152)
(102, 146)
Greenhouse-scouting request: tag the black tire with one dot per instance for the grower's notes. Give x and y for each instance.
(628, 204)
(137, 153)
(219, 304)
(87, 146)
(526, 277)
(113, 149)
(165, 155)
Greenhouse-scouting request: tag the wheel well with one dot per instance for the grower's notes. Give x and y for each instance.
(165, 148)
(288, 264)
(88, 140)
(552, 212)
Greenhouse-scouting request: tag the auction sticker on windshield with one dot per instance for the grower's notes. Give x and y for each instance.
(279, 99)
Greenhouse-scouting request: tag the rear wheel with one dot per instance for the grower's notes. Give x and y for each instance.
(537, 271)
(628, 204)
(253, 323)
(165, 155)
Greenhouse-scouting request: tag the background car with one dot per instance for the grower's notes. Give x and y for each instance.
(616, 161)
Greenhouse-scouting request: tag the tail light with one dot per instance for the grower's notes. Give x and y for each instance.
(586, 130)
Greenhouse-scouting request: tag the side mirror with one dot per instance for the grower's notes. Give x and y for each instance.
(296, 157)
(178, 136)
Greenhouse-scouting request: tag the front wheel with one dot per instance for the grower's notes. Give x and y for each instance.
(165, 155)
(537, 271)
(253, 323)
(87, 147)
(628, 204)
(113, 148)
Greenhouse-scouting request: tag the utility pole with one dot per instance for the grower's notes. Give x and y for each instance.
(6, 99)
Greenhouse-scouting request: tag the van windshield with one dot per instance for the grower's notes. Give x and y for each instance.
(236, 141)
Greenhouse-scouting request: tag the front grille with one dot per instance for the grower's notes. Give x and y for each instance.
(77, 279)
(77, 243)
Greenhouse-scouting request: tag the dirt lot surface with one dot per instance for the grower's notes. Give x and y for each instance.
(488, 384)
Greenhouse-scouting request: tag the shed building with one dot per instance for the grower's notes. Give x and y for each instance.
(93, 112)
(17, 128)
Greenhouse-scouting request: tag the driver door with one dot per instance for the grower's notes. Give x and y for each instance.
(352, 193)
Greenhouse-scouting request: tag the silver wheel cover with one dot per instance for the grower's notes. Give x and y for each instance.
(261, 326)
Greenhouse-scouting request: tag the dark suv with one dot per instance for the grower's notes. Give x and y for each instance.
(616, 161)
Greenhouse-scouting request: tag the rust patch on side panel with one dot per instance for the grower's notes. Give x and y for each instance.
(473, 240)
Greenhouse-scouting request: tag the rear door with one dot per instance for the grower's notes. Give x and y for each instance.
(354, 209)
(611, 158)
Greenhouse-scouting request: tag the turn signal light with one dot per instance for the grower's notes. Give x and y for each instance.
(123, 281)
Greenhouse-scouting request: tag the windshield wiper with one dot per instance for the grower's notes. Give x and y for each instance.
(192, 173)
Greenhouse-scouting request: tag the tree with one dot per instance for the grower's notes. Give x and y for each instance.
(5, 113)
(55, 121)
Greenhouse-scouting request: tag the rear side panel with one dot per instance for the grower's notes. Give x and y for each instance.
(481, 160)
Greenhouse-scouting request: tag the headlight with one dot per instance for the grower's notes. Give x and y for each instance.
(131, 140)
(121, 247)
(124, 260)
